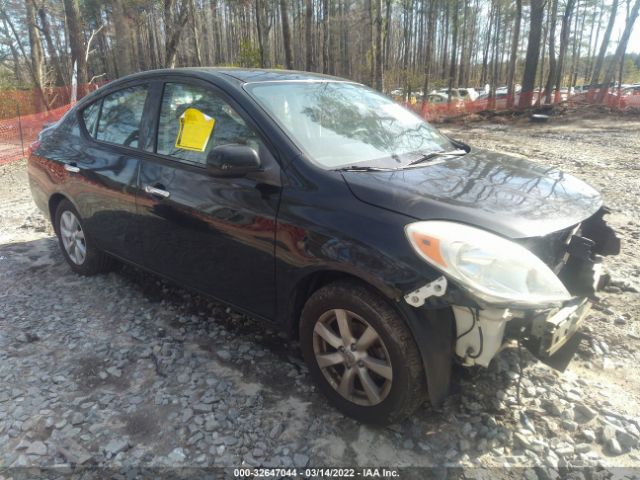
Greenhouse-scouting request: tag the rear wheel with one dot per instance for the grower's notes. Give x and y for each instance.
(79, 252)
(361, 353)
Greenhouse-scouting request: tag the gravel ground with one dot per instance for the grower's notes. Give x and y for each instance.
(127, 370)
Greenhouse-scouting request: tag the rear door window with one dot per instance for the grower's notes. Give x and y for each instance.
(121, 115)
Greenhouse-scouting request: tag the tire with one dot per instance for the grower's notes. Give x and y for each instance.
(85, 261)
(397, 378)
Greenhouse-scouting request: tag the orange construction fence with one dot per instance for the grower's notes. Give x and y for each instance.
(439, 106)
(23, 113)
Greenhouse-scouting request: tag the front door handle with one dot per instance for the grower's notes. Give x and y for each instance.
(71, 167)
(156, 192)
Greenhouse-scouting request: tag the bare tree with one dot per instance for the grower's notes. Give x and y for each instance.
(51, 48)
(264, 26)
(122, 23)
(173, 25)
(429, 53)
(325, 36)
(379, 66)
(385, 43)
(595, 75)
(37, 55)
(552, 52)
(622, 46)
(454, 49)
(308, 34)
(533, 50)
(195, 34)
(76, 39)
(515, 37)
(17, 70)
(564, 42)
(286, 34)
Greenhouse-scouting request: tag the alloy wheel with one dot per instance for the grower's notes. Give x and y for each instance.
(352, 357)
(73, 237)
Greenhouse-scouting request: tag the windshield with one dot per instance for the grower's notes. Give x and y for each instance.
(341, 124)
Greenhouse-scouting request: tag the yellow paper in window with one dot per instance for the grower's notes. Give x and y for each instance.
(195, 130)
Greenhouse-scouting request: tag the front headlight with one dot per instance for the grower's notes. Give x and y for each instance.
(493, 268)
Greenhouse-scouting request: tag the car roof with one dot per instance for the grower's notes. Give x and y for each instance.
(240, 75)
(233, 76)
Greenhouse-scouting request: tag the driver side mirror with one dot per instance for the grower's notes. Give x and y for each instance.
(232, 160)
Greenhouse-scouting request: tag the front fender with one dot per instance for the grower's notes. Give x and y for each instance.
(434, 333)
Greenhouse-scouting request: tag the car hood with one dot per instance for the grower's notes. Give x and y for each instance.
(510, 196)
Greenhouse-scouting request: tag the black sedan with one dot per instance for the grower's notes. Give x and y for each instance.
(390, 250)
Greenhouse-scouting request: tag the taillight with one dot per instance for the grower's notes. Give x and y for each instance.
(33, 147)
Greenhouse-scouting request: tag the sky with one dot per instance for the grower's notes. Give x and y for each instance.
(634, 41)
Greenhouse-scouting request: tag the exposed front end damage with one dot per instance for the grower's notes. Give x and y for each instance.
(550, 332)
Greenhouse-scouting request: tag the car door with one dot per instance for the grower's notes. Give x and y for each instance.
(104, 168)
(215, 234)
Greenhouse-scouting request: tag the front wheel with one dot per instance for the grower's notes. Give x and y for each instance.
(361, 353)
(81, 255)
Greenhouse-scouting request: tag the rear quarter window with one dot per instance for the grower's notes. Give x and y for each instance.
(90, 117)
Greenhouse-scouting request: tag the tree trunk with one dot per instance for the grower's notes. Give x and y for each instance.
(379, 68)
(515, 38)
(487, 43)
(369, 43)
(196, 35)
(325, 36)
(533, 50)
(261, 26)
(464, 51)
(622, 47)
(308, 35)
(494, 64)
(37, 55)
(51, 49)
(445, 49)
(173, 30)
(603, 48)
(76, 39)
(17, 71)
(124, 63)
(593, 45)
(543, 53)
(552, 53)
(564, 43)
(286, 35)
(576, 49)
(454, 50)
(345, 40)
(429, 55)
(387, 36)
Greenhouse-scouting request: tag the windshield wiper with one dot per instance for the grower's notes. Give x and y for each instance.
(444, 153)
(358, 168)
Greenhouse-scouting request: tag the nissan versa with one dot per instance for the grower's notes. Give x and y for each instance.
(390, 250)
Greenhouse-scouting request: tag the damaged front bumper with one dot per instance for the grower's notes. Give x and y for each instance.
(550, 333)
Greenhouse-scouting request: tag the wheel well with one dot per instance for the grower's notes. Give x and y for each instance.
(433, 332)
(54, 201)
(309, 285)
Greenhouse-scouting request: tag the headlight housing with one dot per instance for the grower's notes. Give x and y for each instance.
(492, 268)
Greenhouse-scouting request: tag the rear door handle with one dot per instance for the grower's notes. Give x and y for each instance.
(71, 167)
(156, 192)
